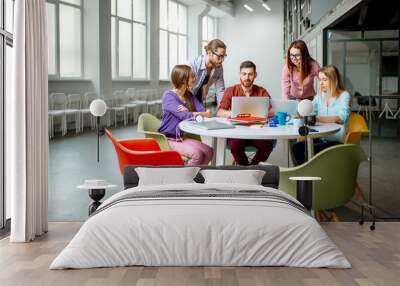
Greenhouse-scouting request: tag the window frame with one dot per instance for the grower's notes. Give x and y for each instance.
(175, 33)
(215, 32)
(132, 22)
(6, 39)
(57, 75)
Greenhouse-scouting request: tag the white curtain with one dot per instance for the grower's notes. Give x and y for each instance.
(26, 128)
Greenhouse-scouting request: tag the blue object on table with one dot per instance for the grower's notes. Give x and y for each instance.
(283, 117)
(273, 122)
(312, 130)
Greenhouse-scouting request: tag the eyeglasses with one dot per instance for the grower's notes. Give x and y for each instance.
(220, 57)
(295, 56)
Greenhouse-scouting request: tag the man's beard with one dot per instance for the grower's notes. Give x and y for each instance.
(247, 83)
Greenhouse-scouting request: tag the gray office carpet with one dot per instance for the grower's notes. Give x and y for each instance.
(73, 159)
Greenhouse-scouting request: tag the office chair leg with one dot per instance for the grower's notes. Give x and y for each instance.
(372, 212)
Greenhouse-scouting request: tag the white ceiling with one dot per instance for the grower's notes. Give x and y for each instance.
(215, 11)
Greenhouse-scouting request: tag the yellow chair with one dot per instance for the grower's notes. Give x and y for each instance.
(357, 126)
(355, 129)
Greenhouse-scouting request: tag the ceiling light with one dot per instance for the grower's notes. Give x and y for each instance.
(266, 6)
(248, 7)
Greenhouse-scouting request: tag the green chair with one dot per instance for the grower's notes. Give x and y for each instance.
(148, 125)
(338, 168)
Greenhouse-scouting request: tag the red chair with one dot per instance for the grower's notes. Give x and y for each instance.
(142, 152)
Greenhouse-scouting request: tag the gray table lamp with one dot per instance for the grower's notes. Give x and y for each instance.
(98, 108)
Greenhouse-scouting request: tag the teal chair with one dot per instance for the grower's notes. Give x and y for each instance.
(338, 168)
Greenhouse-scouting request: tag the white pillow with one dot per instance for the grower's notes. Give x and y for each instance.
(249, 177)
(166, 176)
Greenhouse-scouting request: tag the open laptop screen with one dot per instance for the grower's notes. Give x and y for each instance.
(289, 106)
(256, 106)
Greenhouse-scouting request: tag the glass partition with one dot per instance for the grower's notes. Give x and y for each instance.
(362, 65)
(369, 64)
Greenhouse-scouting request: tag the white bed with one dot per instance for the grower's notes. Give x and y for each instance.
(184, 230)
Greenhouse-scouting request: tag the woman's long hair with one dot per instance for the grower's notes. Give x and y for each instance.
(306, 59)
(336, 86)
(180, 75)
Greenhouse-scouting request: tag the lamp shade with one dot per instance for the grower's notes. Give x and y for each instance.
(98, 107)
(305, 107)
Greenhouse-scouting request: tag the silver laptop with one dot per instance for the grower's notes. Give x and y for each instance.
(212, 125)
(288, 106)
(254, 105)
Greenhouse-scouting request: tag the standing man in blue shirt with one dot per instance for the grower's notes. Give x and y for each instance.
(208, 70)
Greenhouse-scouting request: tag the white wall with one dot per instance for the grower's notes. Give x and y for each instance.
(256, 36)
(195, 13)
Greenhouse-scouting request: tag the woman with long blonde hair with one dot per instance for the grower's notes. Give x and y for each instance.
(331, 105)
(299, 72)
(179, 104)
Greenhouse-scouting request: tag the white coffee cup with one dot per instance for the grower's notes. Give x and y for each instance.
(297, 122)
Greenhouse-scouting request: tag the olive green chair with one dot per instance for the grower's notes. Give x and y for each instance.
(338, 168)
(148, 125)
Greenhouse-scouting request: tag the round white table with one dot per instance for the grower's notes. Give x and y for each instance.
(284, 132)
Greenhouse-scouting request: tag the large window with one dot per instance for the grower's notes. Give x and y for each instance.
(173, 36)
(65, 38)
(209, 30)
(129, 39)
(6, 43)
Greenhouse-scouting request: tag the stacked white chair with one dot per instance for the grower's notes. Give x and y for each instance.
(74, 108)
(109, 103)
(131, 107)
(57, 108)
(141, 105)
(117, 105)
(88, 97)
(154, 102)
(141, 97)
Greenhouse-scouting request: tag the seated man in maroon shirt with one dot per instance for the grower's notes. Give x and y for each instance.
(246, 87)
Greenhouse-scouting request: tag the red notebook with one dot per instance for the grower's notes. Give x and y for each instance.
(247, 120)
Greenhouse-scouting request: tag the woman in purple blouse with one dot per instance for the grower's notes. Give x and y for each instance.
(179, 104)
(299, 72)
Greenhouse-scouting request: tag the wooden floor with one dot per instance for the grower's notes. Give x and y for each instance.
(375, 257)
